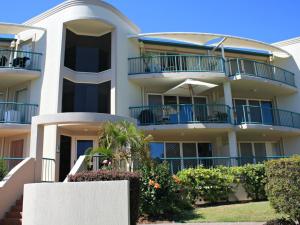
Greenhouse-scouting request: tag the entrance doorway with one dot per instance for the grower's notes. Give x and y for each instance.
(65, 157)
(16, 151)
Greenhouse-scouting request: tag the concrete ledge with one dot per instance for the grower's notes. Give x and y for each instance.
(86, 203)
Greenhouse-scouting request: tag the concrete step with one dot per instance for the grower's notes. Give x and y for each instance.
(16, 215)
(11, 221)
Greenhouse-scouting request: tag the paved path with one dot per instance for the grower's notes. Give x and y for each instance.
(241, 223)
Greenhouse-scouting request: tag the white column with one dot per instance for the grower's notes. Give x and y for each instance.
(228, 97)
(36, 149)
(233, 149)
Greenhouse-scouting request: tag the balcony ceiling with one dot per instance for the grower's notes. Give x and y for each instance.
(11, 28)
(228, 41)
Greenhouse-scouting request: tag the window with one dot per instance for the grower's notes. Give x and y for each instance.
(78, 97)
(87, 53)
(253, 111)
(157, 150)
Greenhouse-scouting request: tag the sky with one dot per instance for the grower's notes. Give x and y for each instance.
(265, 20)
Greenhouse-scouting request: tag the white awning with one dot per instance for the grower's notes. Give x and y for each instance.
(230, 41)
(190, 88)
(11, 28)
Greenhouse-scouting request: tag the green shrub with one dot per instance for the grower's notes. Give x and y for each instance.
(253, 179)
(3, 169)
(109, 175)
(161, 193)
(283, 186)
(281, 221)
(211, 185)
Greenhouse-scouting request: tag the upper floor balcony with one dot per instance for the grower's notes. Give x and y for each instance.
(214, 69)
(264, 117)
(245, 67)
(19, 66)
(259, 115)
(176, 63)
(181, 114)
(17, 113)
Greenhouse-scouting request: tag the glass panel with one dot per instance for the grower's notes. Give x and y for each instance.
(255, 111)
(157, 150)
(88, 53)
(246, 153)
(82, 146)
(21, 96)
(154, 99)
(200, 109)
(260, 152)
(267, 112)
(79, 97)
(239, 109)
(186, 111)
(276, 151)
(171, 111)
(173, 151)
(248, 67)
(205, 150)
(189, 150)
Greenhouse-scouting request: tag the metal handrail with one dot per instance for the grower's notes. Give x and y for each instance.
(19, 113)
(176, 63)
(181, 114)
(179, 163)
(20, 59)
(48, 170)
(240, 66)
(247, 114)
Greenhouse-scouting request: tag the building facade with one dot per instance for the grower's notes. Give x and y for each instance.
(207, 99)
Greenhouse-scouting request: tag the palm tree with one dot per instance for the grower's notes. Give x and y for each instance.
(125, 141)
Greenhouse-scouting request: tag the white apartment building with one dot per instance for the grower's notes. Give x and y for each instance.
(207, 99)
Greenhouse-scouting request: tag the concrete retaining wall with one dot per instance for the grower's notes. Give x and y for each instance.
(87, 203)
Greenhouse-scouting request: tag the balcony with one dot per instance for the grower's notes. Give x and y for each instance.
(245, 67)
(17, 113)
(180, 163)
(176, 63)
(17, 67)
(20, 60)
(266, 116)
(180, 114)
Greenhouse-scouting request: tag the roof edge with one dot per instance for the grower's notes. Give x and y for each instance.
(69, 3)
(287, 42)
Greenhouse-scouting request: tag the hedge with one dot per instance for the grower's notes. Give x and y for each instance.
(212, 185)
(283, 186)
(110, 175)
(3, 169)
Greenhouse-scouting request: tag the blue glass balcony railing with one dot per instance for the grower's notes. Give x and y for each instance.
(181, 114)
(20, 60)
(267, 116)
(18, 113)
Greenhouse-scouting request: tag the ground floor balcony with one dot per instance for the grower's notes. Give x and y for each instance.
(177, 164)
(181, 114)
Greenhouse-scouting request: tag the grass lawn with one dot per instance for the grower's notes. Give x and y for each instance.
(245, 212)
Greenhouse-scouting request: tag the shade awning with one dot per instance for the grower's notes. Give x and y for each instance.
(229, 41)
(12, 28)
(190, 88)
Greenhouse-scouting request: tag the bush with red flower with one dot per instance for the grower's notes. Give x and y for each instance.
(161, 193)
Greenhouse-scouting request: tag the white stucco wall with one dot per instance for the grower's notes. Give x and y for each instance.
(291, 102)
(87, 203)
